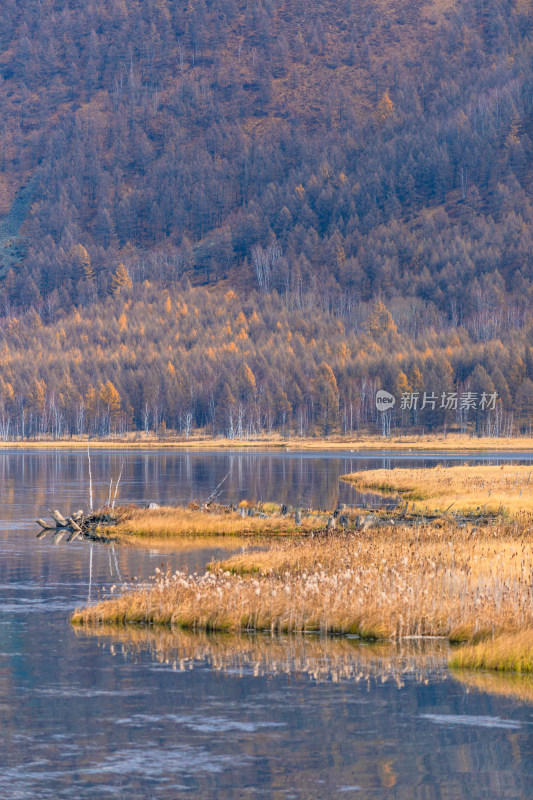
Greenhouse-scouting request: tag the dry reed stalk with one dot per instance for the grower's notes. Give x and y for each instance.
(396, 582)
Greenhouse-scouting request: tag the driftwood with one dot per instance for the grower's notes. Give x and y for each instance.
(60, 520)
(74, 525)
(78, 526)
(216, 492)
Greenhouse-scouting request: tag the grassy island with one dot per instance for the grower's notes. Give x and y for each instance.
(391, 583)
(461, 573)
(504, 490)
(172, 522)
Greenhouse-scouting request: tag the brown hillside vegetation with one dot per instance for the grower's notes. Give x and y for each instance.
(339, 151)
(304, 78)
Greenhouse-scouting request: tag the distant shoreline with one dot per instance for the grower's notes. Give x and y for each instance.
(277, 443)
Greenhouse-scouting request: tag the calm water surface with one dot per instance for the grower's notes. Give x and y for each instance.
(157, 717)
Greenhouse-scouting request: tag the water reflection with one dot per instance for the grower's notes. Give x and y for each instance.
(515, 686)
(319, 658)
(308, 479)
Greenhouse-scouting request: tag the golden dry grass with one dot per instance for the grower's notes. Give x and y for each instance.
(173, 521)
(511, 652)
(320, 658)
(505, 488)
(138, 441)
(459, 583)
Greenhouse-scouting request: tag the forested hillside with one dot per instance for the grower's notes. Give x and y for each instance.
(153, 360)
(338, 150)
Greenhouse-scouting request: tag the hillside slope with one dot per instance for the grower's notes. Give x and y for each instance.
(353, 148)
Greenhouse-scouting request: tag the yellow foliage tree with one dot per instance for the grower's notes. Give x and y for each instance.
(37, 397)
(110, 399)
(247, 384)
(385, 108)
(402, 384)
(326, 394)
(82, 262)
(7, 393)
(380, 321)
(90, 401)
(121, 279)
(416, 380)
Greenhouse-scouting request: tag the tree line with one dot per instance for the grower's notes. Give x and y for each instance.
(243, 364)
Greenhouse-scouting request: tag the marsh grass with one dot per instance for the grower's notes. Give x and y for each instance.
(508, 652)
(506, 489)
(464, 584)
(172, 521)
(199, 441)
(319, 658)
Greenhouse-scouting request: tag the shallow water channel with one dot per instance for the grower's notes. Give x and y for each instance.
(145, 715)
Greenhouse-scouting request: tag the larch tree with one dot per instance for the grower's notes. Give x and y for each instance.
(110, 399)
(81, 263)
(380, 321)
(121, 279)
(326, 395)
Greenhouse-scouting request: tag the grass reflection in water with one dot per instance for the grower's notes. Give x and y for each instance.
(321, 658)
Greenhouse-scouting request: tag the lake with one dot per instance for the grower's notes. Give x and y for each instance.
(146, 715)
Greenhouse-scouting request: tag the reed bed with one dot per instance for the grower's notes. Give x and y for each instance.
(493, 489)
(319, 658)
(460, 583)
(171, 521)
(511, 652)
